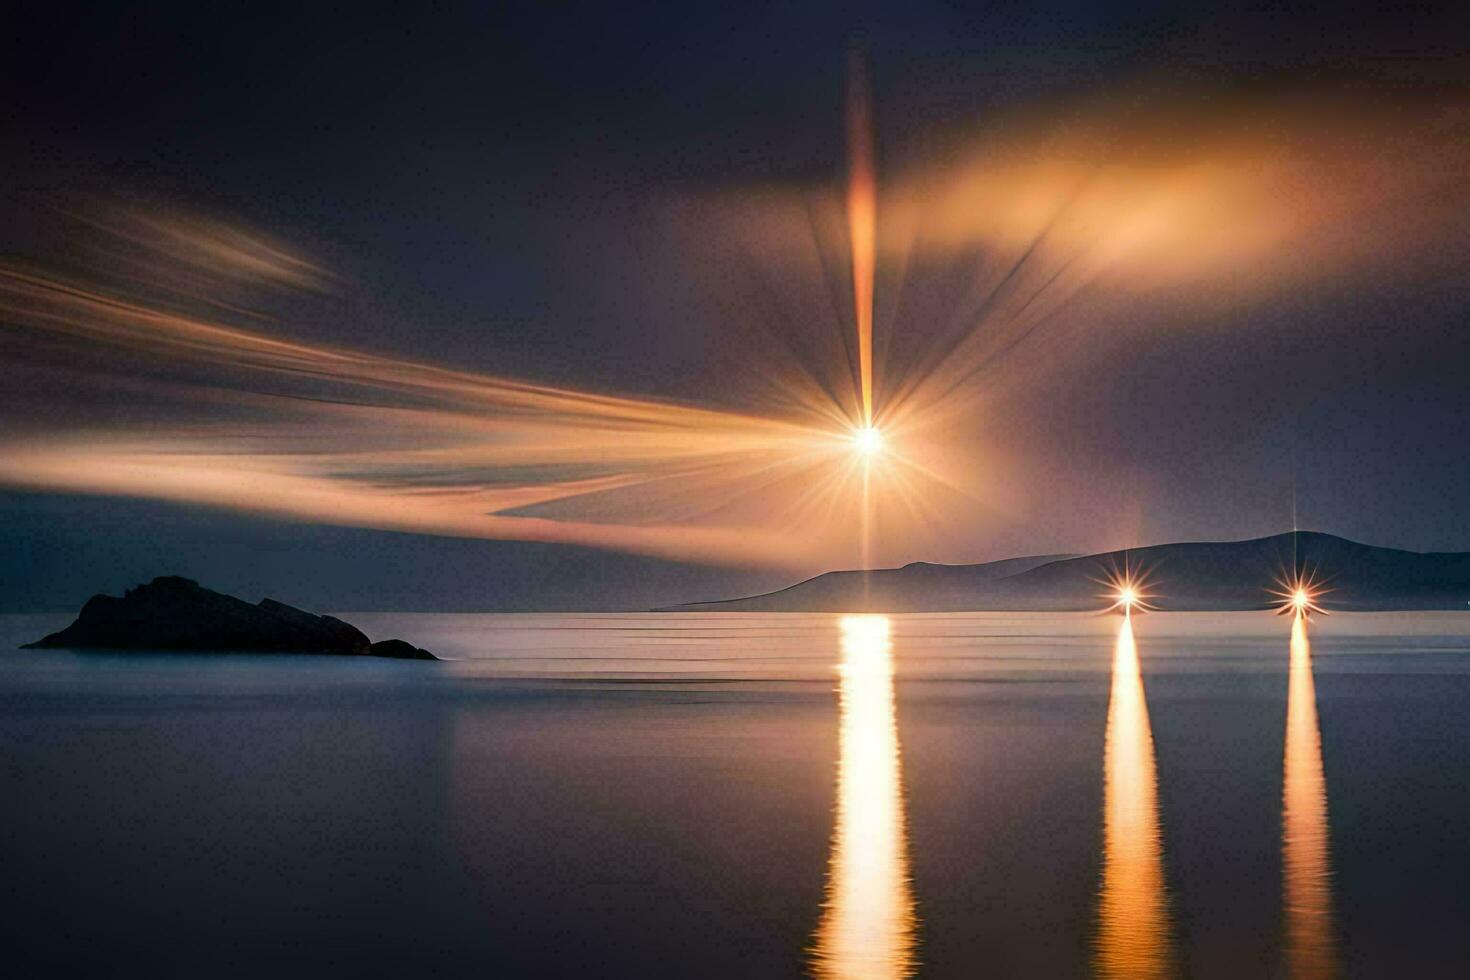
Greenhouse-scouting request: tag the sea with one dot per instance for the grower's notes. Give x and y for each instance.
(749, 795)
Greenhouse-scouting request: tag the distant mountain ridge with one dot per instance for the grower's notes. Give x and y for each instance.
(1188, 576)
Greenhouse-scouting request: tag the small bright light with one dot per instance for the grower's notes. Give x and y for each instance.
(1128, 591)
(869, 441)
(1299, 595)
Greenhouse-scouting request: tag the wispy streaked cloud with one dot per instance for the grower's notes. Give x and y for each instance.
(325, 433)
(164, 358)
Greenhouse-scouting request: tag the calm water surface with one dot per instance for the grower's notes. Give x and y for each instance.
(745, 795)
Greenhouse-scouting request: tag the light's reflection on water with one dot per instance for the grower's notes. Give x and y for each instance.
(653, 795)
(1133, 915)
(868, 920)
(1306, 866)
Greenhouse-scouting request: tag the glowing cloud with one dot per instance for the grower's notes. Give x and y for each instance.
(174, 332)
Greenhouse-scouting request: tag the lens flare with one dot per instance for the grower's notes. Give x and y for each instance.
(862, 218)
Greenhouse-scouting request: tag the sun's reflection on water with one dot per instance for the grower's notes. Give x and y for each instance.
(868, 922)
(1133, 914)
(1307, 874)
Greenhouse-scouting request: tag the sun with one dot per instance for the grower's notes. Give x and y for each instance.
(868, 440)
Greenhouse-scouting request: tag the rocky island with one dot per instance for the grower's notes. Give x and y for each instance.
(175, 614)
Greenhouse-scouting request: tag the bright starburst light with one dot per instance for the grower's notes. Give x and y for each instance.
(1299, 595)
(1128, 590)
(868, 440)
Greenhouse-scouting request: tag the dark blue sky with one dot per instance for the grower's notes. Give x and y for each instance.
(490, 179)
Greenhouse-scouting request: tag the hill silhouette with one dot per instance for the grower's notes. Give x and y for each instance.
(1187, 576)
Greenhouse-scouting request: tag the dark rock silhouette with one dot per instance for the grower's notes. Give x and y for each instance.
(1206, 576)
(177, 614)
(399, 650)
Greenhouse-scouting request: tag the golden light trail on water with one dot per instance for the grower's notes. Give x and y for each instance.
(1311, 948)
(862, 220)
(1133, 937)
(868, 925)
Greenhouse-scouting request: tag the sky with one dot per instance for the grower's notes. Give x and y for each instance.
(523, 306)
